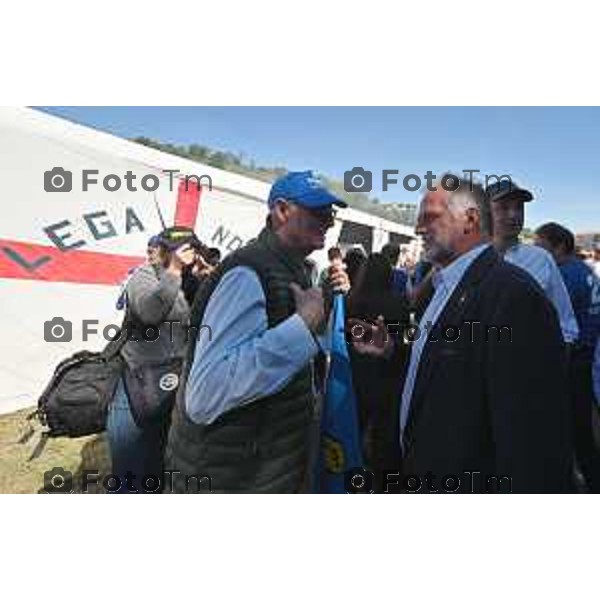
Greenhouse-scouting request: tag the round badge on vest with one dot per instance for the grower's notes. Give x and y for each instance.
(168, 382)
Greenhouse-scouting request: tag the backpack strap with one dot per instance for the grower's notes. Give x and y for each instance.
(40, 445)
(112, 349)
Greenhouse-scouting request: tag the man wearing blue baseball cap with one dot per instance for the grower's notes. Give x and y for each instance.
(246, 407)
(302, 199)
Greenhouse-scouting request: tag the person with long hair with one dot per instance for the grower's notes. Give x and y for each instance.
(156, 326)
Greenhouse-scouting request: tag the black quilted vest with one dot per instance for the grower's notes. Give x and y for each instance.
(263, 446)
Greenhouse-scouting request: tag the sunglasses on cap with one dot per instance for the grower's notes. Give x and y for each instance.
(174, 237)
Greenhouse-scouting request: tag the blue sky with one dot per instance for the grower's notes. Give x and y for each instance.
(554, 151)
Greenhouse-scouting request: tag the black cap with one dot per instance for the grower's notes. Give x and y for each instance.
(503, 189)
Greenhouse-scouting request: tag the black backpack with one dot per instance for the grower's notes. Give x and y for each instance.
(75, 402)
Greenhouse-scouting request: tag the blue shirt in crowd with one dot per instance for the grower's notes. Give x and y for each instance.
(584, 290)
(399, 280)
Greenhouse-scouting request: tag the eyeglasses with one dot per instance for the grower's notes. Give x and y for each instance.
(324, 215)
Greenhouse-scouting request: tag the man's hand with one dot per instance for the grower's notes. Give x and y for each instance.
(186, 255)
(338, 279)
(182, 257)
(309, 305)
(379, 344)
(201, 267)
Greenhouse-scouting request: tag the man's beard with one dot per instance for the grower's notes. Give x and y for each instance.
(438, 254)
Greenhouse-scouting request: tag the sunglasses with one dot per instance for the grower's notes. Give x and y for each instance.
(326, 214)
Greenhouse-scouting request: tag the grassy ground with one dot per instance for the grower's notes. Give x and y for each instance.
(22, 469)
(22, 472)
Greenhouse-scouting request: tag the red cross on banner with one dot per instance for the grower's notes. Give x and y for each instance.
(188, 202)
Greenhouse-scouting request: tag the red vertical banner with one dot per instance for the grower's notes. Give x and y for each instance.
(188, 203)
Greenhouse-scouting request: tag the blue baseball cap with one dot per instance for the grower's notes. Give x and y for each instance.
(305, 188)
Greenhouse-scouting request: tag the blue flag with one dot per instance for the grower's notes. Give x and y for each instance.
(340, 448)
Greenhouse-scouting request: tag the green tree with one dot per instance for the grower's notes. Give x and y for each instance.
(237, 162)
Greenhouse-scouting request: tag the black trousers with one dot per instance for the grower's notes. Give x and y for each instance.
(587, 451)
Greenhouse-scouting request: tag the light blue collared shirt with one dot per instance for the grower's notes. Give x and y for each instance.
(596, 372)
(238, 358)
(541, 266)
(444, 282)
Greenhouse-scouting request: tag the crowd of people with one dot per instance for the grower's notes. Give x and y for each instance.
(481, 358)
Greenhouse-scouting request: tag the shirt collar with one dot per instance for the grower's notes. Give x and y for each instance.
(513, 249)
(450, 275)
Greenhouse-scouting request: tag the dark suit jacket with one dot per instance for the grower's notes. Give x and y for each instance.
(489, 402)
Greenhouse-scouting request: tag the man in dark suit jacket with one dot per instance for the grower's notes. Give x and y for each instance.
(485, 404)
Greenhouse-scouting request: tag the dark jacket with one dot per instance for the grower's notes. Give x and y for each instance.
(489, 403)
(378, 383)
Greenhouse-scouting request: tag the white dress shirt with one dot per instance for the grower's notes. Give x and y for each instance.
(444, 282)
(541, 266)
(238, 359)
(596, 372)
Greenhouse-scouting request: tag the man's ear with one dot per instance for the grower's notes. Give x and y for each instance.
(562, 249)
(280, 212)
(473, 221)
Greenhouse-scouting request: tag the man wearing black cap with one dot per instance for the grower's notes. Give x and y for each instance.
(157, 315)
(244, 412)
(507, 206)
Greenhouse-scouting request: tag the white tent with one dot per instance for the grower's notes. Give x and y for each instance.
(63, 254)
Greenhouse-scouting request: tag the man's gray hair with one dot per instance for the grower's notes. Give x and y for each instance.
(470, 194)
